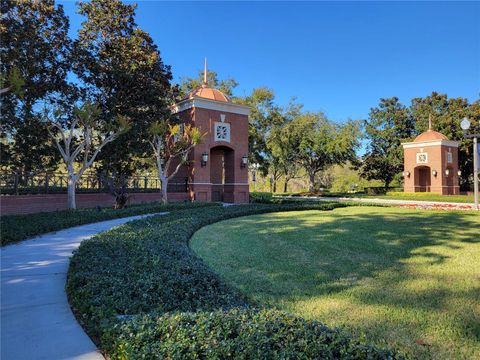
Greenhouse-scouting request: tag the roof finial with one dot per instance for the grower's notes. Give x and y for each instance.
(205, 82)
(430, 122)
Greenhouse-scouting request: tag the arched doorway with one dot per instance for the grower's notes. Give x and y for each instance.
(423, 179)
(222, 173)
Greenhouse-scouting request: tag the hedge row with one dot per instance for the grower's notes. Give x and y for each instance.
(20, 227)
(236, 333)
(140, 292)
(261, 197)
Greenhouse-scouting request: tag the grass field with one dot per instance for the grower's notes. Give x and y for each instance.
(424, 197)
(420, 196)
(397, 277)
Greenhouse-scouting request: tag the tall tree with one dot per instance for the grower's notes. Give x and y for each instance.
(447, 114)
(322, 143)
(264, 115)
(121, 70)
(35, 55)
(80, 140)
(387, 126)
(281, 146)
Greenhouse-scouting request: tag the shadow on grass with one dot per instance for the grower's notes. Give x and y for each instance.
(403, 260)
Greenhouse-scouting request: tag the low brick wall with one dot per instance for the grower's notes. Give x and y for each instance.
(28, 204)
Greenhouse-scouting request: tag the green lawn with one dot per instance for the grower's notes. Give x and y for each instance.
(424, 197)
(420, 196)
(398, 277)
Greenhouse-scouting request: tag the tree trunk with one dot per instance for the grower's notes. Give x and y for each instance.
(274, 186)
(285, 187)
(72, 181)
(387, 183)
(164, 183)
(312, 183)
(71, 194)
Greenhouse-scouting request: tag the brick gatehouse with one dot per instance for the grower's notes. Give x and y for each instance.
(218, 168)
(431, 163)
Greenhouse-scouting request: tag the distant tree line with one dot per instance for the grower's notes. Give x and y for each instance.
(101, 101)
(287, 143)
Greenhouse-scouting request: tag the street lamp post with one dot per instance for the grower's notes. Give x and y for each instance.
(465, 125)
(254, 175)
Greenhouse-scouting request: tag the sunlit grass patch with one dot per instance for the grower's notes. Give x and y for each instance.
(398, 277)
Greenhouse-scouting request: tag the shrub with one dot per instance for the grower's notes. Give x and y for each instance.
(20, 227)
(237, 333)
(261, 197)
(380, 190)
(176, 307)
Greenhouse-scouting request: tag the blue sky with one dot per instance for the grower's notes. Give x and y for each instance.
(339, 58)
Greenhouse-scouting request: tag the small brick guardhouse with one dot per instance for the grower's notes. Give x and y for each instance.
(217, 169)
(431, 163)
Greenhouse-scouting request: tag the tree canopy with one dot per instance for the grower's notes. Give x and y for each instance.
(35, 60)
(322, 143)
(388, 125)
(121, 70)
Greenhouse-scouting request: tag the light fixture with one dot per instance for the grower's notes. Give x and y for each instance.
(459, 173)
(447, 172)
(244, 161)
(465, 124)
(204, 160)
(255, 166)
(434, 173)
(406, 174)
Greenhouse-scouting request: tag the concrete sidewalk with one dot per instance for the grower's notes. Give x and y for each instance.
(385, 201)
(36, 319)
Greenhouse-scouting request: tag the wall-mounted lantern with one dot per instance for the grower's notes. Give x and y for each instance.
(204, 160)
(447, 172)
(406, 174)
(434, 173)
(244, 161)
(459, 173)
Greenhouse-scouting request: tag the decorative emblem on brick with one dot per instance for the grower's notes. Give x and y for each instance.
(222, 132)
(422, 158)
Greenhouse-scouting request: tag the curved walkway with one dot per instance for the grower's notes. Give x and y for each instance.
(36, 319)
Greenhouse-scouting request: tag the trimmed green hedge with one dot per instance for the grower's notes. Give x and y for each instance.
(261, 197)
(140, 292)
(236, 333)
(15, 228)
